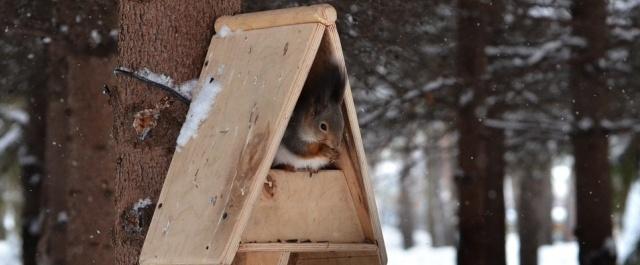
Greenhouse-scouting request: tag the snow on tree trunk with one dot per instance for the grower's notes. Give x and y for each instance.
(590, 141)
(171, 38)
(480, 149)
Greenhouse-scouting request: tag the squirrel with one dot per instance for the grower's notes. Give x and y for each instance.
(313, 136)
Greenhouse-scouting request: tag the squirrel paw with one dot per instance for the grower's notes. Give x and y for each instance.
(330, 153)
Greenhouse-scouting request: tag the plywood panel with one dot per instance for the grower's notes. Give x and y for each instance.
(214, 180)
(337, 258)
(262, 258)
(323, 13)
(306, 247)
(304, 207)
(354, 163)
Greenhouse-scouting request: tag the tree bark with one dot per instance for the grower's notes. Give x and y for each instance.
(590, 140)
(169, 37)
(480, 149)
(78, 207)
(32, 169)
(440, 216)
(57, 164)
(89, 188)
(405, 206)
(534, 204)
(28, 74)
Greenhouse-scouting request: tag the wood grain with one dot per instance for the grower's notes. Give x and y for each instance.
(215, 192)
(324, 14)
(262, 258)
(355, 164)
(306, 247)
(168, 37)
(304, 207)
(215, 180)
(338, 258)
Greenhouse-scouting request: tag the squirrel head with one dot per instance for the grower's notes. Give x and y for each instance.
(323, 121)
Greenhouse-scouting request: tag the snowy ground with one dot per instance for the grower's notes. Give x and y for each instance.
(557, 254)
(10, 250)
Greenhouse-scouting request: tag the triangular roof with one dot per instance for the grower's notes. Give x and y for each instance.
(218, 192)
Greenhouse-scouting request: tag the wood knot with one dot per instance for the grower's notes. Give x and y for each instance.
(269, 187)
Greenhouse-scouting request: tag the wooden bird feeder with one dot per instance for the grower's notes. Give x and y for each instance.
(221, 202)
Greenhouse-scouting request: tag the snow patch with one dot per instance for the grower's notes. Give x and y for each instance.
(185, 89)
(556, 254)
(96, 38)
(35, 225)
(155, 77)
(15, 114)
(113, 33)
(10, 138)
(141, 204)
(585, 124)
(198, 111)
(62, 217)
(630, 233)
(224, 31)
(466, 97)
(543, 51)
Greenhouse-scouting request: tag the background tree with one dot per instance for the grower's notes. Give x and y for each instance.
(66, 44)
(590, 140)
(169, 37)
(480, 149)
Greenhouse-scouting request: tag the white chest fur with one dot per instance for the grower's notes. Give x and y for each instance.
(286, 157)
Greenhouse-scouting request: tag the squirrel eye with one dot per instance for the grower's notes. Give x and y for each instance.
(323, 126)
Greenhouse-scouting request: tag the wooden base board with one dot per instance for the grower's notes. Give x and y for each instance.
(262, 258)
(297, 207)
(306, 247)
(335, 258)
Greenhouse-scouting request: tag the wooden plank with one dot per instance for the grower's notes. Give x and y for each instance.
(306, 247)
(304, 207)
(262, 258)
(322, 13)
(358, 177)
(337, 258)
(215, 180)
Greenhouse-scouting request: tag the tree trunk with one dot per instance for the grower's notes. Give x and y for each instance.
(405, 206)
(439, 213)
(89, 188)
(32, 171)
(57, 164)
(534, 206)
(78, 217)
(570, 204)
(495, 213)
(169, 37)
(480, 149)
(78, 188)
(590, 140)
